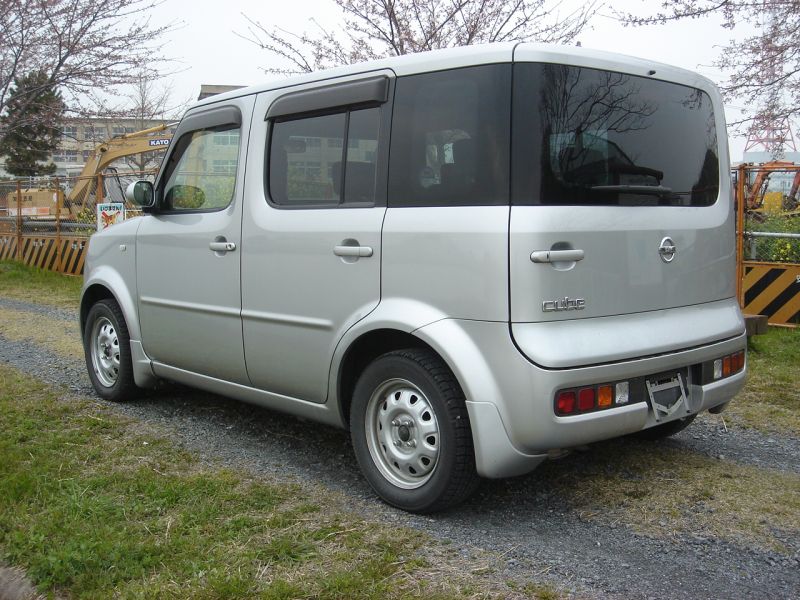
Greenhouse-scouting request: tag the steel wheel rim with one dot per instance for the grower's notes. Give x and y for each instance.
(104, 350)
(402, 433)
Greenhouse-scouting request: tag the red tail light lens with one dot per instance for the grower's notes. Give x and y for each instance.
(565, 403)
(738, 361)
(586, 399)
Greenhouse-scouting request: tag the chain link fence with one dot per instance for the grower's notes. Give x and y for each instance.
(47, 221)
(772, 215)
(63, 205)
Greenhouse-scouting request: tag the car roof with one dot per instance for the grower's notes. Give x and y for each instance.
(464, 56)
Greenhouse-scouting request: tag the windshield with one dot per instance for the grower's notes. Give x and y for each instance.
(585, 136)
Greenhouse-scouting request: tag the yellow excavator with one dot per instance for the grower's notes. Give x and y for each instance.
(761, 200)
(42, 203)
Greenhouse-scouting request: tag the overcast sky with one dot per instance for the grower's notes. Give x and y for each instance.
(208, 50)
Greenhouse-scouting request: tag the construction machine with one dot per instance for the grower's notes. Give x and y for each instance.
(763, 198)
(43, 204)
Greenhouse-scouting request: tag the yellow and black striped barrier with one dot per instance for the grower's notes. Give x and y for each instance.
(772, 289)
(63, 254)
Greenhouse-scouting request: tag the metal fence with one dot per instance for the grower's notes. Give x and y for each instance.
(47, 221)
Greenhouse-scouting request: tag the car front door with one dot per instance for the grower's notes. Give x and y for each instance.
(188, 251)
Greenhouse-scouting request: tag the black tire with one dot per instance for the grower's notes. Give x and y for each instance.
(386, 391)
(659, 432)
(110, 367)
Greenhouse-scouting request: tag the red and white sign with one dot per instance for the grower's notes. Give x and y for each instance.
(110, 213)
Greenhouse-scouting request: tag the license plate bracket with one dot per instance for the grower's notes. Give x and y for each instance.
(667, 393)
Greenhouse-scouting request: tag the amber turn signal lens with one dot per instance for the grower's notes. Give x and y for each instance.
(726, 366)
(605, 396)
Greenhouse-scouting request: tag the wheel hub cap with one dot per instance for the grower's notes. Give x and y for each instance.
(104, 351)
(402, 433)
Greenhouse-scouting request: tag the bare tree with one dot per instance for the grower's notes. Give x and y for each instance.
(82, 45)
(763, 69)
(148, 101)
(378, 28)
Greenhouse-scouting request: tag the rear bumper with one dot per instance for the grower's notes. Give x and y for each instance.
(510, 399)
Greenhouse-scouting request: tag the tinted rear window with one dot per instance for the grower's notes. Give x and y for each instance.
(590, 137)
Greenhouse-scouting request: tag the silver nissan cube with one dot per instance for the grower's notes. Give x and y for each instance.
(474, 259)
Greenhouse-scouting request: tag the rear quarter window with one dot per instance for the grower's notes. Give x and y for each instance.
(450, 138)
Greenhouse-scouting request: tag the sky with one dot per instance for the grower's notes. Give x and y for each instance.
(207, 48)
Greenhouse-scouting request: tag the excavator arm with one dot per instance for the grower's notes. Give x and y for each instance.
(795, 186)
(109, 151)
(755, 194)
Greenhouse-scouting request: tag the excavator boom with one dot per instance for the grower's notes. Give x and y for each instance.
(758, 189)
(118, 147)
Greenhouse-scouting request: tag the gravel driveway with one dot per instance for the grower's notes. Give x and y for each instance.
(532, 533)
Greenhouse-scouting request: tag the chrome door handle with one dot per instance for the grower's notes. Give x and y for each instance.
(547, 256)
(222, 246)
(357, 251)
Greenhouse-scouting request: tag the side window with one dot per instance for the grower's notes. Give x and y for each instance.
(325, 160)
(362, 156)
(203, 174)
(306, 160)
(450, 138)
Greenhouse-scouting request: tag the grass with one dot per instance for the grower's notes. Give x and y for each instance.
(20, 282)
(666, 490)
(771, 400)
(95, 507)
(62, 337)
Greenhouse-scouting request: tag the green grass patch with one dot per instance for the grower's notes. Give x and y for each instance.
(20, 282)
(94, 506)
(57, 335)
(771, 398)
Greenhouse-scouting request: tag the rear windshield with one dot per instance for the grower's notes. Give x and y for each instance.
(590, 137)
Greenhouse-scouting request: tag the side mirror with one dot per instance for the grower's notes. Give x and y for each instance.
(141, 194)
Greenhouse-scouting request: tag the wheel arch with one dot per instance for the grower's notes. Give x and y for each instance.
(102, 288)
(361, 352)
(104, 283)
(91, 296)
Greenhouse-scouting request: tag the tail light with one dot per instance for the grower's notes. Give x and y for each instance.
(565, 403)
(729, 365)
(605, 396)
(588, 399)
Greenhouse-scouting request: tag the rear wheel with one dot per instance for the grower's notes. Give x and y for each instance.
(667, 429)
(411, 432)
(107, 350)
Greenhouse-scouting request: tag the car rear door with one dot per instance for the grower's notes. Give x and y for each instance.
(621, 206)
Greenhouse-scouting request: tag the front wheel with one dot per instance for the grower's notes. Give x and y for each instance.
(107, 349)
(411, 432)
